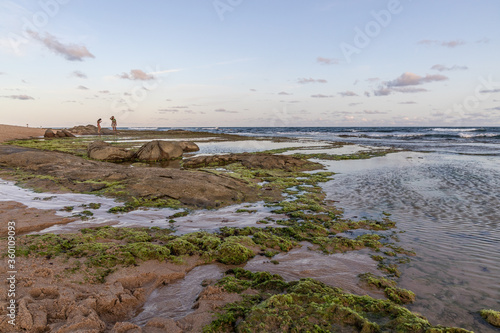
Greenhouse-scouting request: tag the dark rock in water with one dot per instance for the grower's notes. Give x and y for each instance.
(253, 161)
(191, 188)
(49, 134)
(100, 150)
(159, 150)
(188, 146)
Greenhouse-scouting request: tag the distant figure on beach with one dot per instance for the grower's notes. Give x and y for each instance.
(113, 123)
(99, 121)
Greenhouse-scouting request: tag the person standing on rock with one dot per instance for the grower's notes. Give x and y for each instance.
(99, 121)
(113, 123)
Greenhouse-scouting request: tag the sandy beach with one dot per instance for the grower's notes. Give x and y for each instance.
(10, 132)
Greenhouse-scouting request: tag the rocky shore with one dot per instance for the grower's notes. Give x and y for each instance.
(97, 279)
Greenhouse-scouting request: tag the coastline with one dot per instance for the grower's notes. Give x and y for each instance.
(313, 200)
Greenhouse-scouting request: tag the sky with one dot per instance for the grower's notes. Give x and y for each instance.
(192, 63)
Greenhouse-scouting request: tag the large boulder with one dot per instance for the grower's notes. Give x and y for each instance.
(100, 150)
(188, 146)
(49, 134)
(159, 151)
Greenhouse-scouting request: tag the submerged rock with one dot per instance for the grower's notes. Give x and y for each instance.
(100, 150)
(159, 151)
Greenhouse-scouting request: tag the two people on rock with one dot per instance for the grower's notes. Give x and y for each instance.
(113, 125)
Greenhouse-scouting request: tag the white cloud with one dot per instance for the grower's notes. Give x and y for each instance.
(19, 97)
(71, 52)
(137, 74)
(450, 44)
(311, 80)
(443, 68)
(347, 93)
(328, 61)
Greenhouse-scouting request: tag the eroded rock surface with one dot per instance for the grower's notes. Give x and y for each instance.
(103, 151)
(65, 171)
(252, 161)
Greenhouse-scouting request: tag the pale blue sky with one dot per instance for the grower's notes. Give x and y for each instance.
(250, 62)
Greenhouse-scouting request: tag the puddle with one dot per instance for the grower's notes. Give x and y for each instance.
(249, 146)
(337, 270)
(208, 220)
(176, 300)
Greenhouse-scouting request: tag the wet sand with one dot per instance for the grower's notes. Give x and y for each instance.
(10, 132)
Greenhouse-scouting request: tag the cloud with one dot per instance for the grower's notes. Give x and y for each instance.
(496, 108)
(408, 102)
(168, 110)
(483, 41)
(253, 89)
(284, 93)
(450, 44)
(104, 91)
(409, 90)
(71, 52)
(225, 111)
(20, 97)
(373, 112)
(137, 74)
(310, 80)
(82, 88)
(354, 104)
(79, 74)
(373, 79)
(491, 91)
(382, 91)
(443, 68)
(367, 94)
(327, 61)
(2, 73)
(289, 101)
(411, 79)
(321, 96)
(347, 93)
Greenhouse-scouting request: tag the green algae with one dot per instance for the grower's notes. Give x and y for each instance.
(491, 316)
(232, 253)
(362, 155)
(388, 286)
(308, 306)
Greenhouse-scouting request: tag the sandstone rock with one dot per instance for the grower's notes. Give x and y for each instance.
(126, 327)
(100, 150)
(68, 134)
(49, 134)
(253, 161)
(188, 146)
(158, 151)
(161, 325)
(84, 130)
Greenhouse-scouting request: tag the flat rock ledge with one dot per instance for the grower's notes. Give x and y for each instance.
(253, 161)
(67, 172)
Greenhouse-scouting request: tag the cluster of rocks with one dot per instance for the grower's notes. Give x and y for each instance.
(152, 151)
(49, 133)
(77, 130)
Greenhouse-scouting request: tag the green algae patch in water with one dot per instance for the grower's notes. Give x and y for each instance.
(491, 316)
(272, 305)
